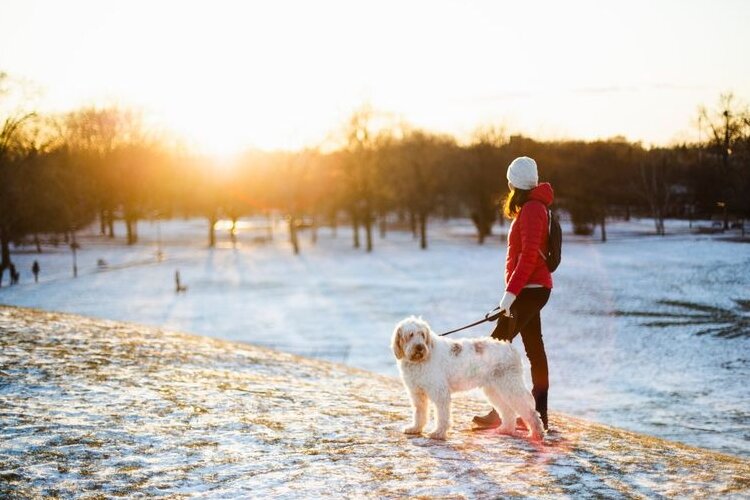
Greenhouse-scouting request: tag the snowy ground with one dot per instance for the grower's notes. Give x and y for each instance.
(98, 409)
(338, 303)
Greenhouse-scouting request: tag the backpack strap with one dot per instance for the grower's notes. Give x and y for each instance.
(549, 230)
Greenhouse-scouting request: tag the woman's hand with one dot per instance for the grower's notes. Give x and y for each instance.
(506, 302)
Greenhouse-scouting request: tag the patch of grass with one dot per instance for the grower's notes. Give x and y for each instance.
(721, 322)
(739, 484)
(274, 425)
(201, 443)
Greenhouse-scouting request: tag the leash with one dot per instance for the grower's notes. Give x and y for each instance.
(487, 317)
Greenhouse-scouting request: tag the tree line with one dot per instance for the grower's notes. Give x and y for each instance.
(61, 173)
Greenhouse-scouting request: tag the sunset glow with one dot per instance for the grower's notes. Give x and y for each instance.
(229, 75)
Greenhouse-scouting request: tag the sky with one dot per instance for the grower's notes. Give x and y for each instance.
(227, 75)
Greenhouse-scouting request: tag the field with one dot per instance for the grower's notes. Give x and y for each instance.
(615, 355)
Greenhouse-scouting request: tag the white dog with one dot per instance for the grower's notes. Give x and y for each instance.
(433, 367)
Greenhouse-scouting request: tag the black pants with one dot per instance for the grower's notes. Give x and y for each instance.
(527, 321)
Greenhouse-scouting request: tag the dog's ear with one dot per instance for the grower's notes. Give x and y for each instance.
(427, 338)
(397, 343)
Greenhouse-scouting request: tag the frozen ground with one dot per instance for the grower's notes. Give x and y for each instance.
(98, 409)
(338, 303)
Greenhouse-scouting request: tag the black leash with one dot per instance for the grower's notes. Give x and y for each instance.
(487, 317)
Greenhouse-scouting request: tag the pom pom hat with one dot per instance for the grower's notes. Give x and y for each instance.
(522, 173)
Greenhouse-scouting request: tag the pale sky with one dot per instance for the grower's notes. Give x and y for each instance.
(232, 74)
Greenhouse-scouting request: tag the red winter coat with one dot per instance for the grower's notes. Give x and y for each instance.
(528, 235)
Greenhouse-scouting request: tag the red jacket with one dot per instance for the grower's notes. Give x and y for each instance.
(528, 235)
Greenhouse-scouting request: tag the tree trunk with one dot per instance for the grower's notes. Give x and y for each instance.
(233, 232)
(314, 229)
(603, 224)
(368, 229)
(659, 221)
(413, 224)
(211, 231)
(476, 218)
(293, 234)
(334, 223)
(423, 230)
(74, 248)
(110, 224)
(102, 222)
(355, 227)
(37, 243)
(4, 253)
(128, 231)
(131, 228)
(485, 226)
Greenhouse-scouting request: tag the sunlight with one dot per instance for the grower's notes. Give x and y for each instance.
(227, 225)
(286, 74)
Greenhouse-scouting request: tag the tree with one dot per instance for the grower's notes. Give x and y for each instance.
(361, 173)
(596, 182)
(13, 149)
(728, 147)
(423, 159)
(656, 181)
(296, 174)
(93, 134)
(481, 178)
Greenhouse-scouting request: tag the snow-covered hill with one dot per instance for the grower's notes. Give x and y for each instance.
(99, 408)
(337, 303)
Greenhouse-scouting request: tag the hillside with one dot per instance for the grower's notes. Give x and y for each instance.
(91, 407)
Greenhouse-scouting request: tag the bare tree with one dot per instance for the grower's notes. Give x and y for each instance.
(13, 147)
(297, 175)
(422, 174)
(655, 186)
(729, 130)
(361, 172)
(94, 134)
(481, 178)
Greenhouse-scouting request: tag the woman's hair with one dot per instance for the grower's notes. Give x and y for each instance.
(514, 201)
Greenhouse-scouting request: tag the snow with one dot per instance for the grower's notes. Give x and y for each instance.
(337, 303)
(93, 408)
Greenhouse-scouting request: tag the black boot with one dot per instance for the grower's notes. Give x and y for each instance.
(540, 397)
(489, 421)
(492, 420)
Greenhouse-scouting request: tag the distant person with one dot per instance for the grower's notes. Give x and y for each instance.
(14, 275)
(35, 270)
(179, 287)
(528, 281)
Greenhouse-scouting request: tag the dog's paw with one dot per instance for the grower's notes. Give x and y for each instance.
(412, 429)
(508, 430)
(438, 434)
(536, 437)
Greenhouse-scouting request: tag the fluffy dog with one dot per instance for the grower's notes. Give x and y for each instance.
(433, 368)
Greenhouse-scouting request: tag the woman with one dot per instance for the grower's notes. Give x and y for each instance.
(528, 281)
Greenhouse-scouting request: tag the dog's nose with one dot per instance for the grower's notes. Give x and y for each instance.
(419, 348)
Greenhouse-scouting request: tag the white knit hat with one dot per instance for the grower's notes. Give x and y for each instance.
(522, 173)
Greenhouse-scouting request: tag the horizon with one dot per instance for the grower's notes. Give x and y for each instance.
(265, 78)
